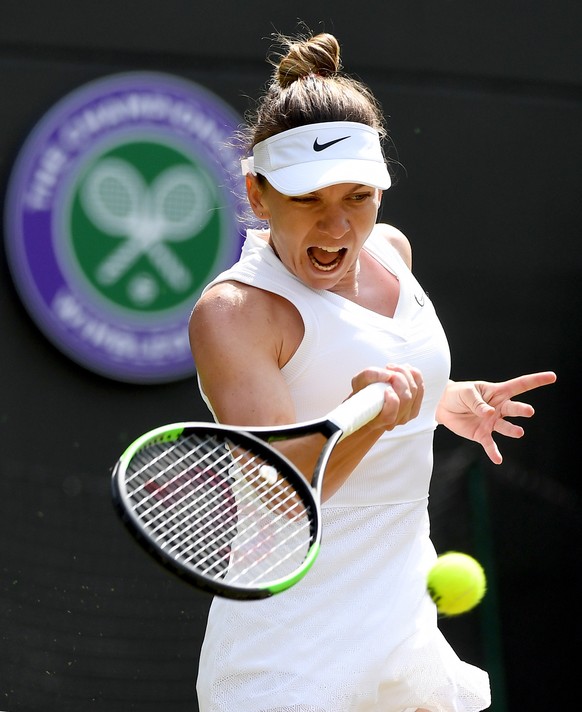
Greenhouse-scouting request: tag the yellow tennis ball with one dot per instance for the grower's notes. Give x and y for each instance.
(456, 583)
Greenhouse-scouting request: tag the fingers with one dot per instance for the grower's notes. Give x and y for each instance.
(476, 403)
(516, 409)
(512, 409)
(528, 382)
(491, 450)
(510, 430)
(403, 397)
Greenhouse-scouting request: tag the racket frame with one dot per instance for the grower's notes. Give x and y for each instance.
(258, 439)
(345, 419)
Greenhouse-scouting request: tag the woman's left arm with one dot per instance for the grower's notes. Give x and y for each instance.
(476, 409)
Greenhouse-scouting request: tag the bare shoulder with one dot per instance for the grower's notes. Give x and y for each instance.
(222, 294)
(397, 239)
(228, 305)
(238, 341)
(247, 318)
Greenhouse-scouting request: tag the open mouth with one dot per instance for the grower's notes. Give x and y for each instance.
(326, 258)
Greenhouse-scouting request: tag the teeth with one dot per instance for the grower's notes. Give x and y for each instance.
(323, 268)
(326, 267)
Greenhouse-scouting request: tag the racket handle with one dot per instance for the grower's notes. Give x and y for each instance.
(358, 410)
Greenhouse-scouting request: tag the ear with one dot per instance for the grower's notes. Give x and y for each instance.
(255, 195)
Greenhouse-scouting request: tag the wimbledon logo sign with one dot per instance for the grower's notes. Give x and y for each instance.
(123, 204)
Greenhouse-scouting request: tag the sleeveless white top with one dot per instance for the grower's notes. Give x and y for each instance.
(359, 632)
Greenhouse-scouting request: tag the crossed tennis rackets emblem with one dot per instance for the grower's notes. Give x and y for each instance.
(175, 207)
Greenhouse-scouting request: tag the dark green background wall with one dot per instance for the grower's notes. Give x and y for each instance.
(484, 104)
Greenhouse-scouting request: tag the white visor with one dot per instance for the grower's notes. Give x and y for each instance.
(314, 156)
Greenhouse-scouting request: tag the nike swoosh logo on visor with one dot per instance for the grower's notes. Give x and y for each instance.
(322, 146)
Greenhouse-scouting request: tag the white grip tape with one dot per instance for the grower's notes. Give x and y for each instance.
(360, 409)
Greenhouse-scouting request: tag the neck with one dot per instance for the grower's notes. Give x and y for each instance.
(349, 287)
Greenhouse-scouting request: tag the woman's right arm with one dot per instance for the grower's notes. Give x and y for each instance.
(237, 336)
(236, 343)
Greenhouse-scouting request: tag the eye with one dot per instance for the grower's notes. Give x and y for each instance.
(303, 199)
(360, 197)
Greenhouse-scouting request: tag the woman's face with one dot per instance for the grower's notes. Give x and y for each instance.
(318, 236)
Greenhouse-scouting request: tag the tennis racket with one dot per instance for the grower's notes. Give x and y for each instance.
(221, 507)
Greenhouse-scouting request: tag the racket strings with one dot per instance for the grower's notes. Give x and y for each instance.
(220, 509)
(181, 485)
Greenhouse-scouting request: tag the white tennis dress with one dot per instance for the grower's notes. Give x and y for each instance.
(359, 632)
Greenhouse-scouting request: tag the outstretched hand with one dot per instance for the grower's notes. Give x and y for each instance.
(477, 409)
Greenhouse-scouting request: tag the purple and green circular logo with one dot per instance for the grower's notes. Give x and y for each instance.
(123, 204)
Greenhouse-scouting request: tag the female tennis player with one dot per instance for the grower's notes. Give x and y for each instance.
(322, 303)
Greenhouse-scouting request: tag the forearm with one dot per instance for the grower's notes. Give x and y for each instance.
(346, 456)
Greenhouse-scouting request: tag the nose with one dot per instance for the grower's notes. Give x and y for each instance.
(334, 222)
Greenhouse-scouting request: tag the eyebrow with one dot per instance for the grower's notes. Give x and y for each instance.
(357, 186)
